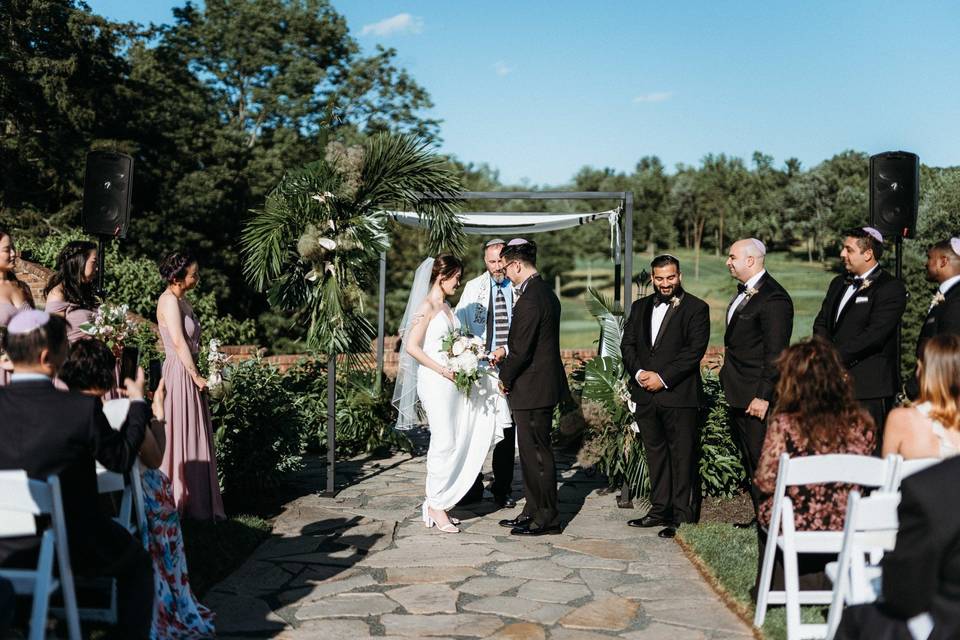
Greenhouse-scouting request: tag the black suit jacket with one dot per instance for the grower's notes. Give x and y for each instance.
(675, 354)
(46, 431)
(533, 372)
(865, 334)
(923, 572)
(943, 318)
(756, 334)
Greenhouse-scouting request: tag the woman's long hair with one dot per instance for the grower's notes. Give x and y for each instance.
(69, 274)
(815, 391)
(939, 377)
(445, 265)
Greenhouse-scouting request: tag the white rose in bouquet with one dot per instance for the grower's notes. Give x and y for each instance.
(463, 354)
(469, 362)
(459, 346)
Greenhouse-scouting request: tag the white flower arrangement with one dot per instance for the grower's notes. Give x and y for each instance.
(216, 361)
(464, 354)
(111, 325)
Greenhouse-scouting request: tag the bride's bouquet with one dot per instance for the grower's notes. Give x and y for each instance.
(464, 353)
(111, 325)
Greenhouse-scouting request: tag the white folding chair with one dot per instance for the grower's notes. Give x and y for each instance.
(21, 501)
(906, 468)
(871, 524)
(844, 468)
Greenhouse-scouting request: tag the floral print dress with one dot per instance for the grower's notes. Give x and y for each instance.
(817, 507)
(176, 612)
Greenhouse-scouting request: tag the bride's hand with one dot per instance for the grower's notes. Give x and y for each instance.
(448, 374)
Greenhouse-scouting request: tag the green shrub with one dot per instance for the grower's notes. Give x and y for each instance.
(259, 429)
(721, 471)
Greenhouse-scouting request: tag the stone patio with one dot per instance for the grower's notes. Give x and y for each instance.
(362, 565)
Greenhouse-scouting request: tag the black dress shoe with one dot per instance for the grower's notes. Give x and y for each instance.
(551, 530)
(519, 521)
(745, 525)
(505, 502)
(648, 521)
(667, 532)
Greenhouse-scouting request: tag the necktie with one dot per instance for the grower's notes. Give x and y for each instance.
(501, 322)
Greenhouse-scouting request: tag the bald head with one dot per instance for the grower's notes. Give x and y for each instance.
(745, 258)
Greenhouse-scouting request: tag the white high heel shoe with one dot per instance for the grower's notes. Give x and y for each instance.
(428, 521)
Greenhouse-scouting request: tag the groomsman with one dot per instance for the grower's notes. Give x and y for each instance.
(859, 316)
(759, 322)
(663, 343)
(486, 309)
(943, 316)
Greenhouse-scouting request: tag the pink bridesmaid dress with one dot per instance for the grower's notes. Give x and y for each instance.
(189, 460)
(75, 316)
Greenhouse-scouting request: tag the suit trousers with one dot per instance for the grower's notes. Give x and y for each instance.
(537, 465)
(504, 455)
(748, 434)
(878, 408)
(669, 436)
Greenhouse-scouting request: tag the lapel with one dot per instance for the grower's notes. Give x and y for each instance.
(647, 316)
(853, 299)
(743, 303)
(671, 311)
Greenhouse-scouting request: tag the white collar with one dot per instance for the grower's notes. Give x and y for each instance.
(867, 274)
(28, 377)
(947, 284)
(752, 282)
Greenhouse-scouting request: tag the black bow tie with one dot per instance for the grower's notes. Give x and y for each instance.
(856, 281)
(741, 288)
(661, 299)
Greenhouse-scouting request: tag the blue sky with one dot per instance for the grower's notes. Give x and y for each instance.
(538, 89)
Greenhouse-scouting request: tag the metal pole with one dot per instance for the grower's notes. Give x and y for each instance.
(899, 269)
(101, 262)
(381, 315)
(628, 254)
(331, 423)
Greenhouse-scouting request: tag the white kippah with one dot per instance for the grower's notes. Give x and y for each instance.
(762, 248)
(955, 245)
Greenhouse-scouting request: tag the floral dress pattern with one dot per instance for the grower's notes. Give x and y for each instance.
(176, 612)
(817, 507)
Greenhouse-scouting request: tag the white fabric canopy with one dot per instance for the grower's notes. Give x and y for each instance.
(496, 223)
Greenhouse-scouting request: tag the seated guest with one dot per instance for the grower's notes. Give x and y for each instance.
(815, 414)
(177, 613)
(921, 576)
(930, 428)
(46, 431)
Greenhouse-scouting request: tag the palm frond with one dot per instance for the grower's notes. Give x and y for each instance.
(609, 315)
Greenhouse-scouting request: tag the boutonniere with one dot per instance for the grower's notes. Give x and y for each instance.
(938, 297)
(865, 285)
(675, 302)
(749, 293)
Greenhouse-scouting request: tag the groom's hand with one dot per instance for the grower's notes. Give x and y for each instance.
(503, 389)
(497, 355)
(650, 381)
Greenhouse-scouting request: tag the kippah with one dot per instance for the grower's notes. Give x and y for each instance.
(666, 255)
(955, 245)
(517, 241)
(26, 321)
(495, 241)
(876, 235)
(762, 248)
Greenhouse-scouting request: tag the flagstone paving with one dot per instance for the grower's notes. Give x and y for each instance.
(362, 565)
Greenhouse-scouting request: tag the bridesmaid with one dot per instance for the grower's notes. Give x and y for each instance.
(188, 459)
(70, 290)
(14, 295)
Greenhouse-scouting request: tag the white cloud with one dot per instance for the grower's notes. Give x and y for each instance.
(656, 96)
(501, 68)
(402, 23)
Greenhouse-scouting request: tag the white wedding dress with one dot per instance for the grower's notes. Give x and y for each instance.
(462, 427)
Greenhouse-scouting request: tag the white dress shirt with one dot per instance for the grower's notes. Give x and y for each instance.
(659, 312)
(752, 282)
(851, 289)
(948, 284)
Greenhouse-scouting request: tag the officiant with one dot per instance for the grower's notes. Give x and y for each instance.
(485, 310)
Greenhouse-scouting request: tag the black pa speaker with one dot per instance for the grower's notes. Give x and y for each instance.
(107, 187)
(894, 193)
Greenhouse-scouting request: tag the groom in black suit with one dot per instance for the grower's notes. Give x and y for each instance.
(759, 323)
(532, 375)
(663, 343)
(860, 315)
(943, 315)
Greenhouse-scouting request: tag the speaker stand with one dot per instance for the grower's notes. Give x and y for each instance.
(101, 261)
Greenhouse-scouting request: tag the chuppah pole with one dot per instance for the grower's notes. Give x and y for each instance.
(627, 253)
(381, 314)
(331, 423)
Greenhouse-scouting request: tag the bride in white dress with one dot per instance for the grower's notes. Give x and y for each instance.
(462, 427)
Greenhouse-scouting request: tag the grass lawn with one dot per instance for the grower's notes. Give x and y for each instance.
(215, 549)
(806, 283)
(729, 557)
